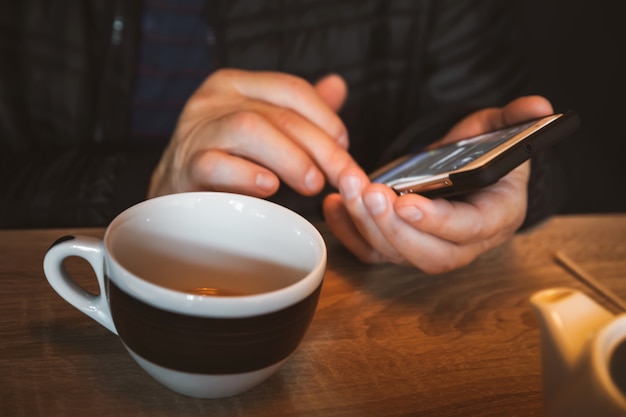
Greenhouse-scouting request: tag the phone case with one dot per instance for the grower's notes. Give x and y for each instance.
(464, 181)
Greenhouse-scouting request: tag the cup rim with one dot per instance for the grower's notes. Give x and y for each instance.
(217, 306)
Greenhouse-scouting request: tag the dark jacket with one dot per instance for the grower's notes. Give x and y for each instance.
(67, 69)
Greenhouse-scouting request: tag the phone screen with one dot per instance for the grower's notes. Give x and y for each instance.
(447, 158)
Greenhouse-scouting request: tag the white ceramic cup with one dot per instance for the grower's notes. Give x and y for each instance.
(209, 292)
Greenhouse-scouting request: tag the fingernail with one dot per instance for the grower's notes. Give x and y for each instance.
(349, 187)
(311, 179)
(376, 203)
(342, 140)
(410, 213)
(264, 181)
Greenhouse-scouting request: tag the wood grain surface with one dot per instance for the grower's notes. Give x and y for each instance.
(385, 341)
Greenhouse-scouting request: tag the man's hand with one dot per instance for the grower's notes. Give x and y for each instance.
(245, 131)
(434, 235)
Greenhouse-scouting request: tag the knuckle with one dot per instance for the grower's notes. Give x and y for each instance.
(340, 158)
(286, 119)
(296, 85)
(337, 129)
(244, 121)
(207, 164)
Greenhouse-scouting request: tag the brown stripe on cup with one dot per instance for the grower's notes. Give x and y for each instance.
(209, 345)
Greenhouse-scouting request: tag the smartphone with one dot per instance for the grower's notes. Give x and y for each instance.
(476, 162)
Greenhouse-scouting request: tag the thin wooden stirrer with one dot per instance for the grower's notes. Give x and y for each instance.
(589, 280)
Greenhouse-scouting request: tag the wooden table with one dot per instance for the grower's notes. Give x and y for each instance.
(386, 340)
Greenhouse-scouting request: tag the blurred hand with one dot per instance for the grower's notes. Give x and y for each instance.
(434, 235)
(245, 131)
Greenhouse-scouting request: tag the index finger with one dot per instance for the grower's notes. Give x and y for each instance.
(291, 92)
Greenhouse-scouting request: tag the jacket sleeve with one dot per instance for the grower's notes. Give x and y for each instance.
(65, 77)
(474, 60)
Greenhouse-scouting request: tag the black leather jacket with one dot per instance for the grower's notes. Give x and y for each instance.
(67, 69)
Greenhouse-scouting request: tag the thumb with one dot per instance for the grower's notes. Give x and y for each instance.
(333, 90)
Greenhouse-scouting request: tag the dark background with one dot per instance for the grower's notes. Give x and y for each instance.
(577, 50)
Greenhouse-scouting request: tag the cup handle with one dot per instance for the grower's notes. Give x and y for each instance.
(90, 249)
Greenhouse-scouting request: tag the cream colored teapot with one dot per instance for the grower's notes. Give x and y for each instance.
(583, 355)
